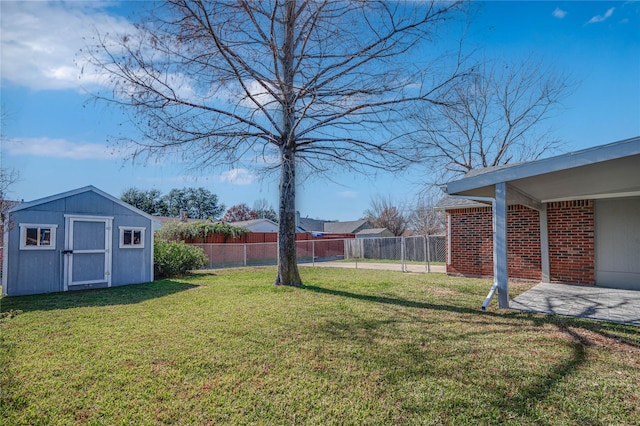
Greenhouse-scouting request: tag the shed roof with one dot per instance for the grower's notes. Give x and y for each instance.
(605, 171)
(89, 188)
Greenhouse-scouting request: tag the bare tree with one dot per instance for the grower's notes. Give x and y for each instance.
(313, 83)
(424, 218)
(492, 117)
(264, 210)
(8, 176)
(384, 213)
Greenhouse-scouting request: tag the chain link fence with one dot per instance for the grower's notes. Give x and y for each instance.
(425, 250)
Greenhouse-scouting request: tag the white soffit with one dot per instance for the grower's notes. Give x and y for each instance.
(606, 171)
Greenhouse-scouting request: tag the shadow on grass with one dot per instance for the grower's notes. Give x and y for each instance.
(621, 333)
(398, 302)
(122, 295)
(523, 403)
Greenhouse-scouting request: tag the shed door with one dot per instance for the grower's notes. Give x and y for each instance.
(87, 252)
(618, 243)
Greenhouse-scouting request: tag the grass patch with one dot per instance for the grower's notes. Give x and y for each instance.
(350, 347)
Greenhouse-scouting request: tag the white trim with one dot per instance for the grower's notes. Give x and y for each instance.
(598, 154)
(595, 196)
(449, 233)
(544, 244)
(5, 251)
(23, 236)
(89, 188)
(89, 218)
(121, 232)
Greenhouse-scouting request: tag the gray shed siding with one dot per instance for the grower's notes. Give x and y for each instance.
(42, 270)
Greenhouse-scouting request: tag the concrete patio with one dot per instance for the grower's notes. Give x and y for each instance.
(599, 303)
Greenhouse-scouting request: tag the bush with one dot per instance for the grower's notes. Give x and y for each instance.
(176, 231)
(172, 258)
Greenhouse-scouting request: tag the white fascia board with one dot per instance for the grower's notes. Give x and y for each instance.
(570, 160)
(89, 188)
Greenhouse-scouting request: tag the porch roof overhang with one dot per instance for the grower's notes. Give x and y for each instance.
(605, 171)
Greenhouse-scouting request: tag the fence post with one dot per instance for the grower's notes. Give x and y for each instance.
(428, 251)
(313, 252)
(244, 254)
(404, 268)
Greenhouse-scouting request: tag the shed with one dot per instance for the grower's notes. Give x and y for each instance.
(573, 218)
(80, 239)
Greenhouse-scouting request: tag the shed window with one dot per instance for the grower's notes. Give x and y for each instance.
(131, 237)
(37, 236)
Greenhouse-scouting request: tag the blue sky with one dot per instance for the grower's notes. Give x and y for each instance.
(57, 141)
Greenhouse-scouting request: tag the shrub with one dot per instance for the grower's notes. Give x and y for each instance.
(172, 258)
(176, 230)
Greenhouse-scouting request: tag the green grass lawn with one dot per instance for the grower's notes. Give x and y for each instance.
(350, 347)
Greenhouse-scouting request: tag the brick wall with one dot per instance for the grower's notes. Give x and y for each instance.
(571, 229)
(571, 241)
(523, 243)
(472, 242)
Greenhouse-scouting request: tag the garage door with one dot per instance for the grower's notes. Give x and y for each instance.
(618, 243)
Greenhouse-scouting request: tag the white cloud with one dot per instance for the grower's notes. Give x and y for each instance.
(61, 148)
(600, 18)
(237, 177)
(349, 195)
(41, 41)
(559, 13)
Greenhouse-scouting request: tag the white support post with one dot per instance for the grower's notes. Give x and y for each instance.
(544, 245)
(500, 245)
(313, 252)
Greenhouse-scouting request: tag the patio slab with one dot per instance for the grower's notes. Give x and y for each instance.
(598, 303)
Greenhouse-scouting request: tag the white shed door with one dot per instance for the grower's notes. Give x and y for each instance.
(87, 251)
(618, 243)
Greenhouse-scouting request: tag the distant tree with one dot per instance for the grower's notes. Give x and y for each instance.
(383, 213)
(199, 203)
(149, 201)
(321, 84)
(7, 176)
(492, 117)
(238, 213)
(424, 218)
(264, 210)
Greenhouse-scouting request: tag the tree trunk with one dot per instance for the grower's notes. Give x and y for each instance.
(287, 262)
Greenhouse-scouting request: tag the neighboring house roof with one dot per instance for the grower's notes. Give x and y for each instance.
(349, 227)
(89, 188)
(600, 172)
(257, 225)
(383, 232)
(260, 225)
(310, 225)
